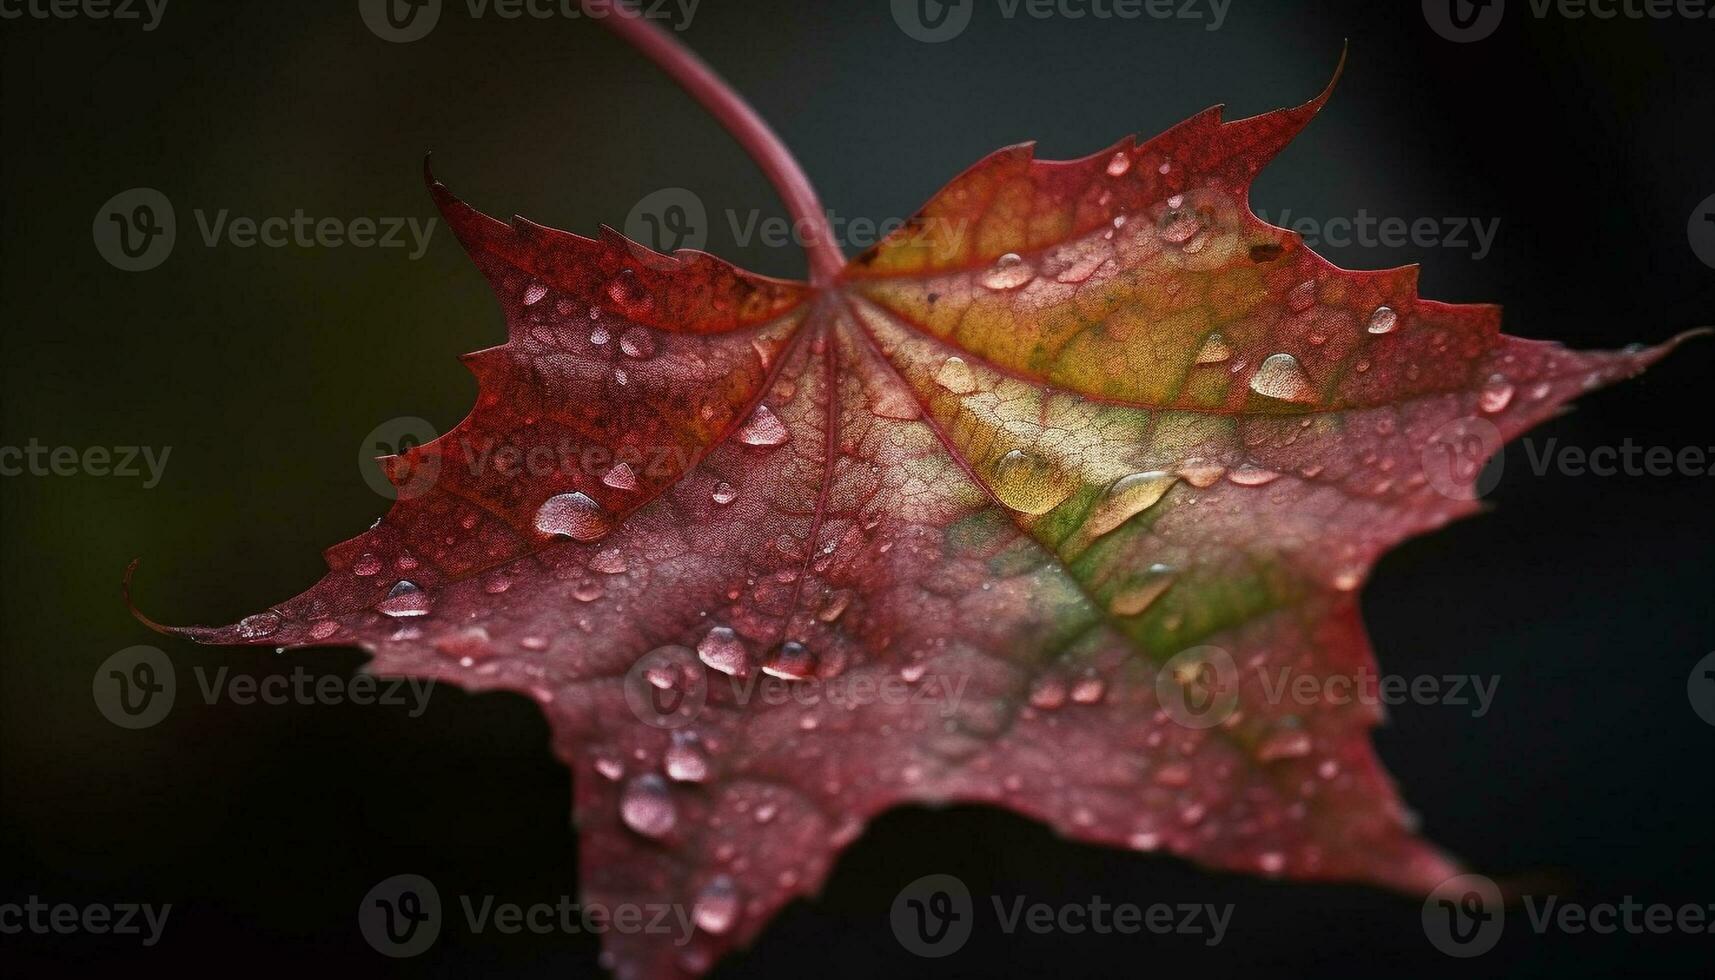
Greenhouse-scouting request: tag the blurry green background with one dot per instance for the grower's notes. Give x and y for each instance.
(263, 369)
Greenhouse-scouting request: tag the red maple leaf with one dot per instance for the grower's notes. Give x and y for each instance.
(1027, 505)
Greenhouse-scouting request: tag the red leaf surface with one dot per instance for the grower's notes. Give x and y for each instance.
(1086, 441)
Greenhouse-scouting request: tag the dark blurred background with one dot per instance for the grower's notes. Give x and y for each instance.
(1584, 144)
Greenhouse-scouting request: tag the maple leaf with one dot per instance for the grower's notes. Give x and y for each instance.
(1073, 464)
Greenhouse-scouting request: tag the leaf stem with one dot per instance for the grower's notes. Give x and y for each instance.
(764, 146)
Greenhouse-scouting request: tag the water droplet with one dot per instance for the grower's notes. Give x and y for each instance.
(260, 625)
(533, 293)
(600, 336)
(466, 646)
(1348, 579)
(1178, 225)
(621, 477)
(1214, 350)
(763, 429)
(588, 590)
(1302, 297)
(955, 376)
(366, 565)
(1286, 743)
(722, 650)
(405, 600)
(1119, 163)
(625, 290)
(685, 762)
(791, 661)
(322, 629)
(610, 768)
(1137, 596)
(1280, 376)
(1089, 690)
(1048, 692)
(892, 401)
(1128, 497)
(637, 342)
(1008, 272)
(1143, 840)
(573, 515)
(1383, 320)
(609, 561)
(717, 905)
(1030, 484)
(1253, 476)
(1202, 475)
(646, 806)
(1495, 397)
(1271, 862)
(724, 493)
(836, 606)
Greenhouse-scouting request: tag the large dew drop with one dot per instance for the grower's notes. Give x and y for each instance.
(1281, 376)
(1214, 350)
(717, 906)
(1009, 272)
(685, 762)
(1030, 484)
(955, 376)
(573, 515)
(763, 429)
(722, 650)
(405, 600)
(1383, 320)
(1128, 497)
(1137, 596)
(790, 661)
(646, 806)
